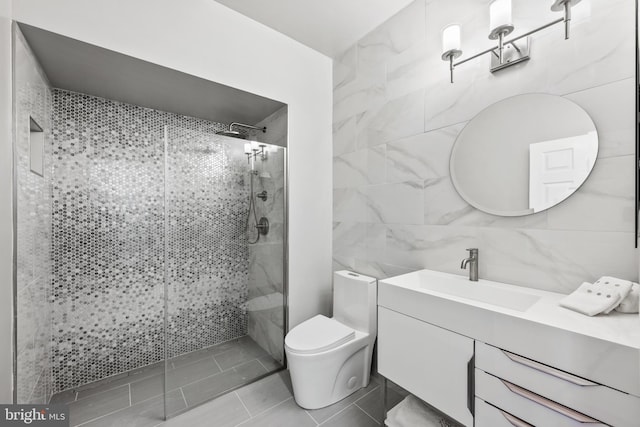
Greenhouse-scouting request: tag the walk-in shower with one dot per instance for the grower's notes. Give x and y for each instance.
(146, 278)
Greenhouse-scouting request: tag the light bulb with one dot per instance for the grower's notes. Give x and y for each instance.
(499, 14)
(450, 38)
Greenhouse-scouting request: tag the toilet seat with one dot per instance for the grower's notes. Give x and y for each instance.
(317, 335)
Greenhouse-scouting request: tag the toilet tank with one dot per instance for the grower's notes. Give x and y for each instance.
(355, 301)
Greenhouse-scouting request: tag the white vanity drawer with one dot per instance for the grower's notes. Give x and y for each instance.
(603, 403)
(490, 416)
(528, 406)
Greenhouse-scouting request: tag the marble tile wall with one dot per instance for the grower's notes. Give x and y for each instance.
(32, 99)
(266, 268)
(396, 117)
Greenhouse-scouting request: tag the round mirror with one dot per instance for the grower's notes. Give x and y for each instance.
(524, 154)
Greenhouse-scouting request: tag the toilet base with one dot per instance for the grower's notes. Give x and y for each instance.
(320, 380)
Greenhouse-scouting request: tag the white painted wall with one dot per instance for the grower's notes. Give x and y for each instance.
(6, 224)
(206, 39)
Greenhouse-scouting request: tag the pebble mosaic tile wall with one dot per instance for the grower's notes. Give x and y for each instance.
(208, 255)
(109, 230)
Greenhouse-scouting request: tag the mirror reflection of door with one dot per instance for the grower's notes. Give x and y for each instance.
(524, 154)
(558, 167)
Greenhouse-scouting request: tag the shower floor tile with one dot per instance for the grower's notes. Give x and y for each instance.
(267, 402)
(135, 398)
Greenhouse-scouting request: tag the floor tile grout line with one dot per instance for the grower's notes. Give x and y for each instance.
(243, 405)
(312, 419)
(377, 387)
(117, 377)
(268, 409)
(350, 404)
(77, 393)
(204, 378)
(271, 407)
(208, 354)
(143, 401)
(216, 362)
(99, 393)
(317, 422)
(100, 417)
(265, 368)
(186, 404)
(130, 406)
(366, 413)
(337, 413)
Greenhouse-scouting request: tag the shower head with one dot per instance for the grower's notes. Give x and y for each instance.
(231, 133)
(235, 134)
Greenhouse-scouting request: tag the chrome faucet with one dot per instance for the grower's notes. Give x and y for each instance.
(473, 259)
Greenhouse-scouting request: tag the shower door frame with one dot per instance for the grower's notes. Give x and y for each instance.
(14, 208)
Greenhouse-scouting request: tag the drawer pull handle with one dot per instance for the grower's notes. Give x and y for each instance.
(549, 370)
(516, 422)
(549, 404)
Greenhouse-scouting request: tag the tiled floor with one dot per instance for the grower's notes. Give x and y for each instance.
(136, 399)
(269, 403)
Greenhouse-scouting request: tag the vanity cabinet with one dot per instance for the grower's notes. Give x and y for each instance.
(537, 394)
(534, 364)
(434, 364)
(462, 378)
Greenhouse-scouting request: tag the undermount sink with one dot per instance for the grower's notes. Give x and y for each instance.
(484, 291)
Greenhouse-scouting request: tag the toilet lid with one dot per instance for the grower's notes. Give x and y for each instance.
(318, 334)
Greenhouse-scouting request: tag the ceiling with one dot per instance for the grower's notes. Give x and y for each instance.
(328, 26)
(81, 67)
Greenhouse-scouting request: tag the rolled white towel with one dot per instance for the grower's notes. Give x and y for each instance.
(613, 284)
(631, 304)
(590, 300)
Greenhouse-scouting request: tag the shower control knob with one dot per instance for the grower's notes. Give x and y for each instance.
(263, 226)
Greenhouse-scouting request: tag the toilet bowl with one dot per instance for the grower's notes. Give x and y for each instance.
(330, 358)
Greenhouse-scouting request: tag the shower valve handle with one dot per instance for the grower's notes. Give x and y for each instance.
(263, 226)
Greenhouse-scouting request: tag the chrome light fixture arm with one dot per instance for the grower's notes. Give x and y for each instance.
(499, 33)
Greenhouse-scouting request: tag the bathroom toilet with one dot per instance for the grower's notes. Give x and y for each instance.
(330, 358)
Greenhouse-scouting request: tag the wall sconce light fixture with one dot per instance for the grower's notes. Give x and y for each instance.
(507, 52)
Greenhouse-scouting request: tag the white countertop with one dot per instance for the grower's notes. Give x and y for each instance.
(605, 348)
(619, 328)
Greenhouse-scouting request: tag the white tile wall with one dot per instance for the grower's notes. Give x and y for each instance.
(396, 117)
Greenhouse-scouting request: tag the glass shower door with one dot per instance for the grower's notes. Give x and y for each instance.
(223, 325)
